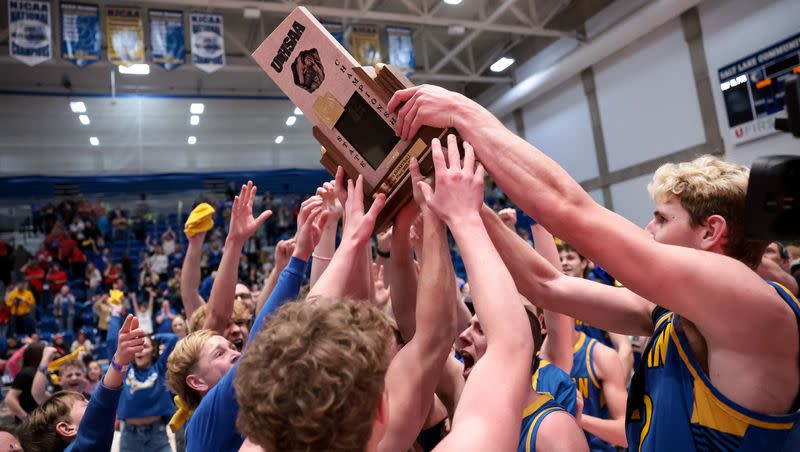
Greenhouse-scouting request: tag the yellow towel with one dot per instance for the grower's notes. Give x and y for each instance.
(56, 363)
(200, 220)
(115, 296)
(181, 416)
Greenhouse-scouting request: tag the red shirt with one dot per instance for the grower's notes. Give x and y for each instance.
(57, 280)
(65, 248)
(112, 274)
(36, 278)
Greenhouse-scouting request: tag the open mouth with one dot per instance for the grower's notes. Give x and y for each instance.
(469, 362)
(238, 343)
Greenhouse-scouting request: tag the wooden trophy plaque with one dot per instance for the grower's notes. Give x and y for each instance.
(346, 103)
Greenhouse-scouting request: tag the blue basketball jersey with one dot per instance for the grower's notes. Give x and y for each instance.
(594, 402)
(594, 333)
(672, 404)
(554, 381)
(532, 418)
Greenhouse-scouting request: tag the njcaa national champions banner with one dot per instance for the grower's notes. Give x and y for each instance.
(366, 41)
(29, 31)
(166, 38)
(125, 34)
(208, 45)
(80, 33)
(401, 48)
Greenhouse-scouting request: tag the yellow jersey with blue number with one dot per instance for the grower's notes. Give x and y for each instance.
(532, 419)
(673, 406)
(554, 381)
(594, 402)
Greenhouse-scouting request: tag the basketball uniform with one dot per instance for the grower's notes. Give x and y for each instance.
(554, 381)
(594, 333)
(532, 419)
(673, 405)
(594, 402)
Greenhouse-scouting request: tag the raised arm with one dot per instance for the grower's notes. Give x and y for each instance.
(343, 277)
(538, 185)
(242, 226)
(484, 420)
(327, 243)
(190, 275)
(39, 387)
(557, 347)
(403, 272)
(415, 371)
(610, 308)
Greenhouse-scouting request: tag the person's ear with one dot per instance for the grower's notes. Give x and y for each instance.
(714, 232)
(197, 383)
(66, 429)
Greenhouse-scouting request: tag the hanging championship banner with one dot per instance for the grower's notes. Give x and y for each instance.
(80, 33)
(366, 43)
(208, 45)
(336, 30)
(166, 38)
(29, 31)
(401, 48)
(125, 33)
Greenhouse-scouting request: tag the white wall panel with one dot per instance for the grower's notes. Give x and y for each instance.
(648, 100)
(559, 125)
(632, 201)
(733, 29)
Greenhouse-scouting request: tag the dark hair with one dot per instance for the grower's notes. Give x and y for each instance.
(38, 431)
(566, 248)
(536, 333)
(32, 355)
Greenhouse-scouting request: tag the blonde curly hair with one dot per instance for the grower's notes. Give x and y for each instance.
(240, 314)
(181, 363)
(711, 186)
(313, 377)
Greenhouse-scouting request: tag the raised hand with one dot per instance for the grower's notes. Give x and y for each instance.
(48, 354)
(358, 225)
(131, 341)
(243, 224)
(459, 187)
(330, 200)
(283, 251)
(381, 293)
(425, 105)
(310, 223)
(509, 218)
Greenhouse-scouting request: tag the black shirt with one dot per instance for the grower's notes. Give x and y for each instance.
(23, 382)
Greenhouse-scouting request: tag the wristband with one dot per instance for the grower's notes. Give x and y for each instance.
(383, 254)
(322, 258)
(117, 366)
(42, 369)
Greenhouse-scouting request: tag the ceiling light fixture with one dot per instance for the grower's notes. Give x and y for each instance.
(297, 111)
(135, 69)
(77, 107)
(192, 139)
(194, 120)
(291, 120)
(197, 109)
(84, 119)
(279, 139)
(501, 65)
(94, 141)
(453, 2)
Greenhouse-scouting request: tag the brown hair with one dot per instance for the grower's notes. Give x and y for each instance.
(565, 247)
(75, 362)
(313, 377)
(711, 186)
(181, 363)
(240, 314)
(536, 333)
(38, 432)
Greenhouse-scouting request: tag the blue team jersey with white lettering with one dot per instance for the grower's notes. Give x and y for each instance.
(594, 402)
(672, 404)
(554, 381)
(532, 418)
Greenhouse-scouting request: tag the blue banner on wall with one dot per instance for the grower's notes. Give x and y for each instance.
(401, 48)
(29, 31)
(336, 30)
(166, 38)
(80, 33)
(208, 44)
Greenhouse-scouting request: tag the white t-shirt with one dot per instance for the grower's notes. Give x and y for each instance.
(159, 264)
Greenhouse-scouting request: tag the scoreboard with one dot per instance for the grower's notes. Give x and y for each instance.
(753, 88)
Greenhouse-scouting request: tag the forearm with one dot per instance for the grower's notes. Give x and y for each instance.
(287, 288)
(622, 344)
(609, 430)
(114, 325)
(220, 303)
(341, 278)
(402, 279)
(269, 286)
(190, 278)
(324, 250)
(39, 387)
(12, 403)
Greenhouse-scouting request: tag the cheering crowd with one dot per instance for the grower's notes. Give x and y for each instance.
(346, 350)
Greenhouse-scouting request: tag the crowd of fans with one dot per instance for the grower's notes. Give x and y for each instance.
(288, 324)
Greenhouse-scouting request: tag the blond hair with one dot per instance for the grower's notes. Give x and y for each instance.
(240, 314)
(74, 363)
(711, 186)
(181, 363)
(38, 432)
(313, 377)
